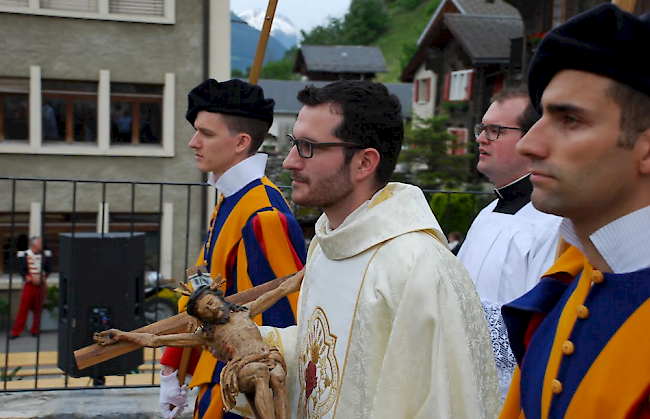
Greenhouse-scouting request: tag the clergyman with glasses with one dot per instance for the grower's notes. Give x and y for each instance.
(389, 323)
(510, 244)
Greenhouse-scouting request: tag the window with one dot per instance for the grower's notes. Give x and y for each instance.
(151, 11)
(97, 118)
(270, 143)
(423, 90)
(559, 9)
(54, 223)
(69, 111)
(148, 223)
(62, 222)
(14, 234)
(458, 145)
(136, 113)
(460, 85)
(14, 109)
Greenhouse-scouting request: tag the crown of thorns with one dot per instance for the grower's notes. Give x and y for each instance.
(197, 294)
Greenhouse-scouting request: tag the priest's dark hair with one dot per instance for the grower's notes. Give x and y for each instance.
(372, 117)
(530, 115)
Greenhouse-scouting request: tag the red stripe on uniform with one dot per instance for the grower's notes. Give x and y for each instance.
(285, 227)
(259, 235)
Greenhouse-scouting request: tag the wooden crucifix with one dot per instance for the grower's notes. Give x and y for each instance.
(94, 354)
(253, 367)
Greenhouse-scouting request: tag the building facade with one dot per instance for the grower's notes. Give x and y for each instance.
(97, 92)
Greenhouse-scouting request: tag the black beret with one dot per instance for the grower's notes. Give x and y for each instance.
(604, 40)
(232, 97)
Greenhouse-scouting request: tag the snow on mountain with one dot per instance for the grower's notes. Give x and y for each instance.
(282, 29)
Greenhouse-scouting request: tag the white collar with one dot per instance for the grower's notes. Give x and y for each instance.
(623, 243)
(240, 175)
(398, 208)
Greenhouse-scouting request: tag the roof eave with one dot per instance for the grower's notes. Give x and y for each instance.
(435, 16)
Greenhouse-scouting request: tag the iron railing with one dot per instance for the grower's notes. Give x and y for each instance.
(170, 211)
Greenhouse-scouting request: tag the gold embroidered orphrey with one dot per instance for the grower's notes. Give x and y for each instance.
(318, 368)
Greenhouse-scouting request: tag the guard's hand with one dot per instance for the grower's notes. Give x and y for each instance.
(173, 397)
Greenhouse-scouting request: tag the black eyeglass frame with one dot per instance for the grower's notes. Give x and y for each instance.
(312, 145)
(479, 128)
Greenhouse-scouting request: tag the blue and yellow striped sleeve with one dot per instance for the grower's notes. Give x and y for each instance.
(272, 246)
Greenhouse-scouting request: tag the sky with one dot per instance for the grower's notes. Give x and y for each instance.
(304, 14)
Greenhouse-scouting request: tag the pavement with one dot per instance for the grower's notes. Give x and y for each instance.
(124, 403)
(90, 402)
(47, 341)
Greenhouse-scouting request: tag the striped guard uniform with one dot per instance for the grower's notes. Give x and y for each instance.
(253, 238)
(582, 344)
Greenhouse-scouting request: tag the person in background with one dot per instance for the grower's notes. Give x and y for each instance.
(510, 244)
(455, 240)
(34, 265)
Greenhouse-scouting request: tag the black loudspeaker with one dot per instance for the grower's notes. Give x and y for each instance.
(101, 286)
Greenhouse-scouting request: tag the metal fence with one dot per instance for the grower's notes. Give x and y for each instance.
(173, 217)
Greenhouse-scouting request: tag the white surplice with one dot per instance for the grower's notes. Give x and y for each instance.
(389, 323)
(506, 254)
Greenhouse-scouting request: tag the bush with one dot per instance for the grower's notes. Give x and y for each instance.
(51, 298)
(4, 306)
(455, 212)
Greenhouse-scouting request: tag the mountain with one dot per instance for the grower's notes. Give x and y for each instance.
(243, 44)
(282, 29)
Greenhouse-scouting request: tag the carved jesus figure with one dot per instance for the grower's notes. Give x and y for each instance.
(253, 368)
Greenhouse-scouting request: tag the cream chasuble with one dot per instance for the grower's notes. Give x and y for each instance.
(389, 323)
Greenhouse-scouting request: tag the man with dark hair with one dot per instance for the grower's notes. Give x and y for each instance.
(34, 265)
(253, 236)
(389, 323)
(581, 335)
(510, 243)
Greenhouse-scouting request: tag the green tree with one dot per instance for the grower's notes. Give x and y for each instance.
(365, 21)
(330, 34)
(236, 73)
(427, 153)
(281, 69)
(456, 211)
(408, 51)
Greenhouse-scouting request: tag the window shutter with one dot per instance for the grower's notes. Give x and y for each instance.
(14, 3)
(416, 93)
(71, 5)
(447, 84)
(428, 87)
(498, 84)
(137, 7)
(470, 85)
